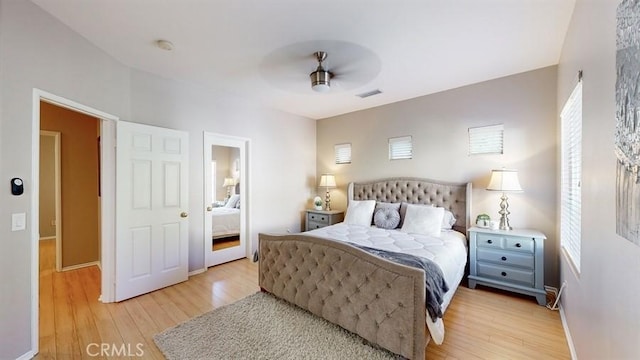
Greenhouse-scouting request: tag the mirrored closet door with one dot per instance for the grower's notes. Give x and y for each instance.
(225, 201)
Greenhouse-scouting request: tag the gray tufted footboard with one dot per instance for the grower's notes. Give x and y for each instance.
(381, 301)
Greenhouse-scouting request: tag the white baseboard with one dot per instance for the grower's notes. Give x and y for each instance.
(196, 272)
(27, 356)
(80, 266)
(47, 238)
(567, 333)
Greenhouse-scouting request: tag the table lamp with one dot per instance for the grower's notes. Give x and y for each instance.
(327, 181)
(506, 181)
(229, 183)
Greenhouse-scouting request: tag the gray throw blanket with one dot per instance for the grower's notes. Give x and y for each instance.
(435, 284)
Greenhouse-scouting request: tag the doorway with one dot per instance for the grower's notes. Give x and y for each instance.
(71, 213)
(106, 207)
(225, 198)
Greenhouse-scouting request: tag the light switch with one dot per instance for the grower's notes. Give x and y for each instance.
(18, 221)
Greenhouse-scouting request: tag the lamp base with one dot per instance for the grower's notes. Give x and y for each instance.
(327, 201)
(504, 213)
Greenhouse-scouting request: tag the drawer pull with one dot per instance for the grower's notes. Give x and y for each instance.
(504, 258)
(518, 245)
(503, 273)
(313, 217)
(489, 241)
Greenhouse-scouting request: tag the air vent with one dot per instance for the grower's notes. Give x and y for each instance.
(370, 93)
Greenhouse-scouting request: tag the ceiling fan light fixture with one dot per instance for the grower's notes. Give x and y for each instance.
(321, 78)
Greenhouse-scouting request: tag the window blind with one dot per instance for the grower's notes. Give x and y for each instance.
(486, 140)
(400, 148)
(571, 172)
(342, 153)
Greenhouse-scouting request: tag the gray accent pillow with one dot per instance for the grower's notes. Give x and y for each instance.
(386, 218)
(382, 205)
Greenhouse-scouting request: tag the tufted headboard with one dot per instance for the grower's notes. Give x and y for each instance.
(453, 197)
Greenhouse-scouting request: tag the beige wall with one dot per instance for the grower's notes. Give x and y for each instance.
(47, 186)
(526, 105)
(79, 174)
(602, 302)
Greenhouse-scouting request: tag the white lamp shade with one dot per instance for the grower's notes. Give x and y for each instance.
(327, 180)
(229, 182)
(504, 180)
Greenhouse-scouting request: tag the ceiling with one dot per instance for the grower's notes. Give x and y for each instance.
(263, 50)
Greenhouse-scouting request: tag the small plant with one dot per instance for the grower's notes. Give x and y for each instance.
(483, 220)
(317, 201)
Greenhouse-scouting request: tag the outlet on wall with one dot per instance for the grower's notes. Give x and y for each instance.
(53, 222)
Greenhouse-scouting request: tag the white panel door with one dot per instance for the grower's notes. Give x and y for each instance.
(151, 203)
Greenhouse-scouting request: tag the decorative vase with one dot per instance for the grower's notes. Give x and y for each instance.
(318, 207)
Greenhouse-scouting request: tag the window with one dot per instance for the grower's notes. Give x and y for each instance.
(400, 148)
(571, 172)
(343, 153)
(486, 140)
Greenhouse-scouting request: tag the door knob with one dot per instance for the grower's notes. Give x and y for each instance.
(209, 208)
(184, 214)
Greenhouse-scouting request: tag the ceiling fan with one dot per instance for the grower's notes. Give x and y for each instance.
(332, 66)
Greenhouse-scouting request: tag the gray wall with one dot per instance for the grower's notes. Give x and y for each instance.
(602, 302)
(526, 105)
(277, 176)
(37, 51)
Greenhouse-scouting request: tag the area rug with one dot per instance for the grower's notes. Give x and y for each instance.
(262, 326)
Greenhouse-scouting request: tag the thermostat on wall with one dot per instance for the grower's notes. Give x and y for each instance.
(17, 186)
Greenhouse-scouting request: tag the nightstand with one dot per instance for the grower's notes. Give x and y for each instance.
(511, 260)
(316, 219)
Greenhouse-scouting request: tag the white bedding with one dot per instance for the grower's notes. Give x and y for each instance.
(225, 221)
(449, 251)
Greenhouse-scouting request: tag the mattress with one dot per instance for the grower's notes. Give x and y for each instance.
(225, 221)
(449, 251)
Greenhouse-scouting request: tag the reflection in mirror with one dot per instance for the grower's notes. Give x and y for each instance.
(225, 197)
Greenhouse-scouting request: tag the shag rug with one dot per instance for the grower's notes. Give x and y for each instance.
(262, 326)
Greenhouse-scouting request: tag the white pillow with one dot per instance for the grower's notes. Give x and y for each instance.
(448, 220)
(360, 212)
(233, 200)
(423, 219)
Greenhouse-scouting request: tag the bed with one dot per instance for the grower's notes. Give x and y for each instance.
(226, 219)
(382, 301)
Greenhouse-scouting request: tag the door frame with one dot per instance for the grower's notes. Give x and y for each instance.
(107, 205)
(244, 144)
(58, 194)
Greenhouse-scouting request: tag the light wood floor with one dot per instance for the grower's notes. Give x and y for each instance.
(480, 324)
(224, 243)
